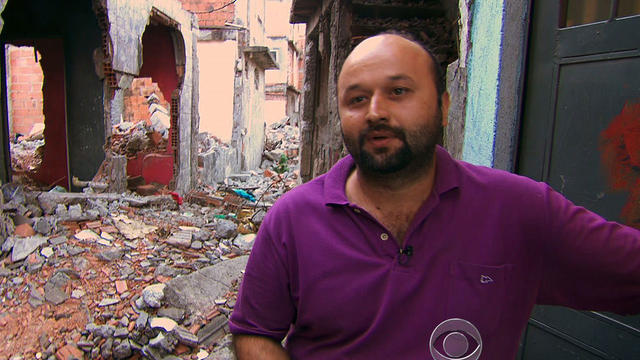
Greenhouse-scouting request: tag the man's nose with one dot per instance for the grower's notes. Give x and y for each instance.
(378, 108)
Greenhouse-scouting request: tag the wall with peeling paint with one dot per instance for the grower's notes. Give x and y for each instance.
(495, 33)
(484, 60)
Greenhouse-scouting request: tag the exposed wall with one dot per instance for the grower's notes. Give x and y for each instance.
(211, 13)
(25, 78)
(216, 86)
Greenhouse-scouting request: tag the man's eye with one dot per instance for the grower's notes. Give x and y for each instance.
(399, 91)
(356, 99)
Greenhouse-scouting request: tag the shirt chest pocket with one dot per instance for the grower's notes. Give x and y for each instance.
(477, 293)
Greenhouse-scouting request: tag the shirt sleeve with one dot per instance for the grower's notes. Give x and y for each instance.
(589, 263)
(264, 305)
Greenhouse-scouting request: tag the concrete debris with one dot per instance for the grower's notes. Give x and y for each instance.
(22, 247)
(127, 276)
(181, 239)
(153, 295)
(196, 292)
(163, 323)
(110, 255)
(244, 242)
(226, 228)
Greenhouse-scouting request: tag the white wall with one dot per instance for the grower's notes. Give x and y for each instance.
(217, 63)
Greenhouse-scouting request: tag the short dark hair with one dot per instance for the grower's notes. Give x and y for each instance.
(436, 68)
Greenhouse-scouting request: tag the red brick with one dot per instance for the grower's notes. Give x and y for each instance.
(121, 286)
(69, 352)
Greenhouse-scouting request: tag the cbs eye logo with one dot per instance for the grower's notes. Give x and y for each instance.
(457, 338)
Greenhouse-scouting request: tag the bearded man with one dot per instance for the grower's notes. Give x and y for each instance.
(402, 252)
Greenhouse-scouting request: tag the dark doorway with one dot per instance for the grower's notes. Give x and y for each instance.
(65, 33)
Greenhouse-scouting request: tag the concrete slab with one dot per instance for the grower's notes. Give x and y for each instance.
(196, 292)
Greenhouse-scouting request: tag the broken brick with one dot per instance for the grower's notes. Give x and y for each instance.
(93, 224)
(69, 352)
(121, 286)
(24, 230)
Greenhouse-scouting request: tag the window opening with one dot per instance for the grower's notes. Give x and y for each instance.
(628, 8)
(579, 12)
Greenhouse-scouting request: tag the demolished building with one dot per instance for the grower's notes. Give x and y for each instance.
(90, 53)
(233, 58)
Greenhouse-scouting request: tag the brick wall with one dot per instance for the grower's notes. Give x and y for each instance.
(207, 19)
(25, 87)
(136, 107)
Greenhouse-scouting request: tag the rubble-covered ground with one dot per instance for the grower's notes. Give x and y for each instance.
(122, 276)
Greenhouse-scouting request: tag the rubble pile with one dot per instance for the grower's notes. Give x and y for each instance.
(129, 139)
(95, 287)
(118, 276)
(26, 155)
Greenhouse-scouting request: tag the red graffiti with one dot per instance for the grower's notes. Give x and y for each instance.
(620, 155)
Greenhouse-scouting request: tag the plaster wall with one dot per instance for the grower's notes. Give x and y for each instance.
(253, 139)
(217, 62)
(275, 110)
(277, 13)
(483, 66)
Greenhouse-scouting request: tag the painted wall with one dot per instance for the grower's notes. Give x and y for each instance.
(278, 76)
(496, 37)
(217, 64)
(482, 96)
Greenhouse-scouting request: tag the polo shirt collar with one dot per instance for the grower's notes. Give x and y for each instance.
(448, 177)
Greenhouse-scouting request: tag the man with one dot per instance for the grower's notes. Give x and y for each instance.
(401, 252)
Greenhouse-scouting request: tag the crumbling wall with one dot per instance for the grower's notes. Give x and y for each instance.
(128, 20)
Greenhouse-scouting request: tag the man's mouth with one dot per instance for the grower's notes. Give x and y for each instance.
(380, 137)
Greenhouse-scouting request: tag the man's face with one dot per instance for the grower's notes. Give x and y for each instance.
(388, 105)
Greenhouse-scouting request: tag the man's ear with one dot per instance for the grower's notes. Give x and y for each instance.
(444, 107)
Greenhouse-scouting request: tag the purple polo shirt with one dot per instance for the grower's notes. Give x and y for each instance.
(487, 245)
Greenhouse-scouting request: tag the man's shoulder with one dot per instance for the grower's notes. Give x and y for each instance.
(497, 180)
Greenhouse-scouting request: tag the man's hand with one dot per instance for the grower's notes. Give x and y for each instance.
(251, 347)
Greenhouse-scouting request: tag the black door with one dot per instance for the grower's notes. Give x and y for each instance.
(581, 134)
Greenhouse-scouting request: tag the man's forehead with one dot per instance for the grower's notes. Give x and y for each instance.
(378, 44)
(397, 54)
(353, 84)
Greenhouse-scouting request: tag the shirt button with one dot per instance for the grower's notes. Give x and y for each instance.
(384, 236)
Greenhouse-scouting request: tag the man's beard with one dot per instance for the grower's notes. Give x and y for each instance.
(415, 154)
